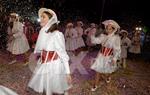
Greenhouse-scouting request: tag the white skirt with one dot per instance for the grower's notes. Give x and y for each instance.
(49, 77)
(18, 45)
(71, 44)
(102, 64)
(6, 91)
(80, 42)
(123, 52)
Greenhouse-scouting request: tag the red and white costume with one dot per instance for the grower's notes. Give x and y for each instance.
(71, 38)
(80, 42)
(52, 67)
(110, 50)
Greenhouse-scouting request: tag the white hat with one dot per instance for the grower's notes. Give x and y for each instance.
(111, 22)
(69, 24)
(50, 11)
(80, 22)
(14, 14)
(124, 31)
(93, 24)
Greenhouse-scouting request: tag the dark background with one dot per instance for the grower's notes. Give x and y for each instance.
(123, 11)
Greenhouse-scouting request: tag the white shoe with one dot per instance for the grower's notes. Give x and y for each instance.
(94, 88)
(12, 62)
(108, 80)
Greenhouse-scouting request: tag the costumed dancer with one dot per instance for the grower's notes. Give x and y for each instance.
(105, 62)
(125, 43)
(135, 47)
(52, 74)
(71, 38)
(90, 31)
(79, 29)
(17, 43)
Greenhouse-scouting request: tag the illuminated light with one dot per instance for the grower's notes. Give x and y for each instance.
(136, 28)
(38, 20)
(140, 28)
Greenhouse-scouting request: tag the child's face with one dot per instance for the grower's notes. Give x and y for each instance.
(12, 18)
(70, 26)
(79, 24)
(124, 34)
(44, 19)
(109, 28)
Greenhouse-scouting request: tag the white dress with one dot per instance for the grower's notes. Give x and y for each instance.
(71, 39)
(102, 63)
(19, 44)
(135, 45)
(6, 91)
(125, 43)
(51, 76)
(90, 31)
(80, 42)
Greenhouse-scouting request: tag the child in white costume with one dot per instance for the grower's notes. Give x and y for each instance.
(105, 62)
(52, 74)
(79, 29)
(18, 43)
(125, 43)
(71, 38)
(135, 48)
(90, 31)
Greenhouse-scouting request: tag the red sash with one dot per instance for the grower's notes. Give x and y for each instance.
(106, 51)
(47, 56)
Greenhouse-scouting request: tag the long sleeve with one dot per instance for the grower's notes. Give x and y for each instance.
(66, 33)
(60, 49)
(9, 30)
(19, 29)
(17, 34)
(97, 40)
(116, 48)
(74, 33)
(128, 41)
(81, 32)
(86, 31)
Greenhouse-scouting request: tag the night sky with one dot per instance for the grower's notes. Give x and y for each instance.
(120, 10)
